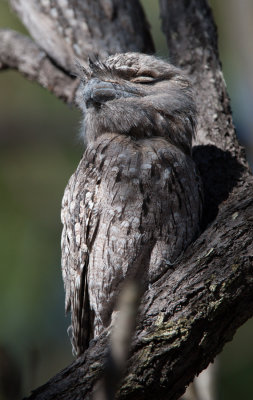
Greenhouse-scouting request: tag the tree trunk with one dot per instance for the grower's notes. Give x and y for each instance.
(189, 314)
(184, 319)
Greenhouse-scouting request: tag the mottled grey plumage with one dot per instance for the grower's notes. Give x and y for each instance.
(134, 203)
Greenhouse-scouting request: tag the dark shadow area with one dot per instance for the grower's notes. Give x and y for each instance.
(219, 172)
(10, 375)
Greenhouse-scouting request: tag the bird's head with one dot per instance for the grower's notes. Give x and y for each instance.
(138, 95)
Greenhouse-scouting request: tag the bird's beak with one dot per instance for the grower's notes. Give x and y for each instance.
(97, 92)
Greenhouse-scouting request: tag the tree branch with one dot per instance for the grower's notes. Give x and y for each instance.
(185, 318)
(21, 53)
(192, 41)
(188, 315)
(70, 29)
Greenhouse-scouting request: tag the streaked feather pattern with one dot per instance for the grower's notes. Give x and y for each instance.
(134, 203)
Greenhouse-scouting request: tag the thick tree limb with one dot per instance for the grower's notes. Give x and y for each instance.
(192, 41)
(69, 29)
(185, 318)
(21, 53)
(66, 30)
(188, 315)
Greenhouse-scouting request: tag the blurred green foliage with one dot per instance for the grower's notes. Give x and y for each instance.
(39, 150)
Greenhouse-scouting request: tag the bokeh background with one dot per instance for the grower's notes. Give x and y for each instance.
(39, 150)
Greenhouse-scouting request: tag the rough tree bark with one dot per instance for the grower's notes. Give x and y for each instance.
(195, 308)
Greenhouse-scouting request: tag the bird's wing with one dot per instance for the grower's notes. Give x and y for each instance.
(102, 235)
(127, 202)
(78, 229)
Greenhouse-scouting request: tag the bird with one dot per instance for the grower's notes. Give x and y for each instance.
(135, 201)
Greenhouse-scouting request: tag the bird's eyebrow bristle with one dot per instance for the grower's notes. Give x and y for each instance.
(100, 69)
(80, 71)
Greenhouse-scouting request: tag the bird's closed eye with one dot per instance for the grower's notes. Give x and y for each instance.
(143, 79)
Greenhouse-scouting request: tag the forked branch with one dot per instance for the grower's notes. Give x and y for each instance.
(195, 308)
(185, 318)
